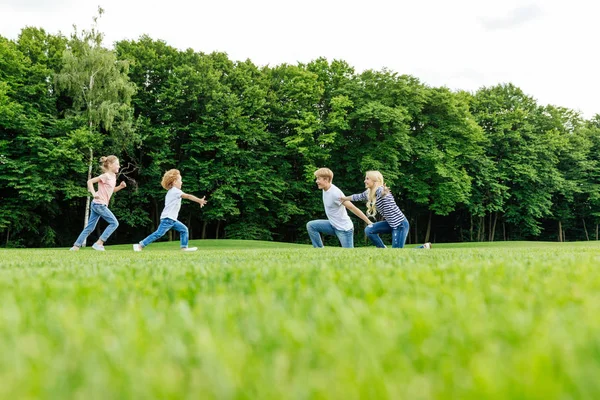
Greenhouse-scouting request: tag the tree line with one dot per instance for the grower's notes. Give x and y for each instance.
(483, 166)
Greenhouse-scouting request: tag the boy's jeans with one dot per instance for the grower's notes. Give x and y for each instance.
(167, 224)
(316, 227)
(98, 210)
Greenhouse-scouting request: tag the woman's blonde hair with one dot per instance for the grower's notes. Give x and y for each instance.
(377, 178)
(169, 178)
(107, 161)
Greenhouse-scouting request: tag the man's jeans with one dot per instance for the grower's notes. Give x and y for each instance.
(316, 227)
(97, 211)
(167, 224)
(398, 235)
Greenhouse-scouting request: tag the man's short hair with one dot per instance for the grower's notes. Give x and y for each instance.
(324, 173)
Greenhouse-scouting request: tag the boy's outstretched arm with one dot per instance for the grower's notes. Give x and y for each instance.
(191, 197)
(356, 211)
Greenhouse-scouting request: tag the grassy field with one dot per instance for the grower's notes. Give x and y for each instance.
(257, 320)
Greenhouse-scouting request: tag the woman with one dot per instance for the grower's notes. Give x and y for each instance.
(380, 200)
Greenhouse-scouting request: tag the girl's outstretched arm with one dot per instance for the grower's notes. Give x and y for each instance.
(122, 185)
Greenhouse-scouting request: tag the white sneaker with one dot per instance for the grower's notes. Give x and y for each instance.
(98, 247)
(74, 248)
(137, 247)
(427, 245)
(189, 248)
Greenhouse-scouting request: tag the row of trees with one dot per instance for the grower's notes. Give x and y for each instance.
(490, 165)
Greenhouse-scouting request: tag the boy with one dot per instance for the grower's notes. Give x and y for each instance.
(172, 182)
(338, 222)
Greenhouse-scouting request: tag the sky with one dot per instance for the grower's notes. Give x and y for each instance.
(547, 48)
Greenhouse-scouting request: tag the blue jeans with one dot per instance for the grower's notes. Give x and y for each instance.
(398, 234)
(97, 211)
(316, 227)
(167, 224)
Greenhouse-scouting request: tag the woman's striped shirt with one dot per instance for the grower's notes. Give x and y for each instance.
(385, 205)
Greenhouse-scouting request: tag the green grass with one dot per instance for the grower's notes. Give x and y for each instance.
(246, 320)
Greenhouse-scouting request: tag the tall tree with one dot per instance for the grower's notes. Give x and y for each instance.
(100, 90)
(445, 141)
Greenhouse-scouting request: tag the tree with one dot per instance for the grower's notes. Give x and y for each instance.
(523, 156)
(99, 88)
(445, 141)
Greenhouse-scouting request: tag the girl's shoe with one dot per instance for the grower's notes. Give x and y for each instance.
(98, 247)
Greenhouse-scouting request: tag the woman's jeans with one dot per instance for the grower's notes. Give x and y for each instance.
(398, 235)
(98, 211)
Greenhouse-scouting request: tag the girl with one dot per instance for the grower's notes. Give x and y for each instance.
(379, 199)
(106, 187)
(172, 182)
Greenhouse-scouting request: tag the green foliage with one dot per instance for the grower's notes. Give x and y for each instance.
(479, 166)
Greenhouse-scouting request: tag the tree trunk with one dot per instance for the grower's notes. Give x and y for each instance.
(585, 229)
(218, 227)
(8, 236)
(596, 231)
(86, 217)
(428, 233)
(560, 237)
(504, 230)
(471, 230)
(494, 228)
(204, 229)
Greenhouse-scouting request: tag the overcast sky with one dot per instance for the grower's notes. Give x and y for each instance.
(547, 48)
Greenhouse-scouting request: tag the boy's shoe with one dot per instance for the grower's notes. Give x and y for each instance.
(98, 247)
(74, 248)
(427, 245)
(137, 247)
(189, 248)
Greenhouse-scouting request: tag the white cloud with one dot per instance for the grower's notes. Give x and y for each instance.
(546, 48)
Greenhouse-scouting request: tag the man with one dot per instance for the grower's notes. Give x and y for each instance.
(338, 222)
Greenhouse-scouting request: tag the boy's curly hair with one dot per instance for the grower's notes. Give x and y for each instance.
(169, 178)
